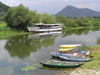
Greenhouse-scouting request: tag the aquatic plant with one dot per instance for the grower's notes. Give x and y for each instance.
(32, 67)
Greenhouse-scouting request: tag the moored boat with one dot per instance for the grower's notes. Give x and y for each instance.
(74, 59)
(71, 53)
(75, 55)
(61, 64)
(40, 28)
(66, 61)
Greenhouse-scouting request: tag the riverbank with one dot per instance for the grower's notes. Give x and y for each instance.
(6, 32)
(91, 67)
(80, 71)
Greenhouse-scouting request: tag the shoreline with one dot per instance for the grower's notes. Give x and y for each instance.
(80, 71)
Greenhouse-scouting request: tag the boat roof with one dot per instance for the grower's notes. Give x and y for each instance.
(46, 24)
(72, 45)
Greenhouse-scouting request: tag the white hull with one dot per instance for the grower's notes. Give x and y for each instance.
(87, 53)
(37, 30)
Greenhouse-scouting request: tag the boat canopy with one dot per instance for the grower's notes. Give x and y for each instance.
(72, 45)
(45, 24)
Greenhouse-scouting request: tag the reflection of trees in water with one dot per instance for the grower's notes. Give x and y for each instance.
(78, 32)
(98, 41)
(21, 46)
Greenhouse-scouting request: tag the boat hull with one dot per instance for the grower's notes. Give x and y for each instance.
(61, 64)
(86, 52)
(33, 30)
(42, 31)
(74, 59)
(81, 54)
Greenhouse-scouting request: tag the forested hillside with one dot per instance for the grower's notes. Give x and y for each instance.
(3, 8)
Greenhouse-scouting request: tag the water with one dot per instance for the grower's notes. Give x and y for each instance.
(19, 51)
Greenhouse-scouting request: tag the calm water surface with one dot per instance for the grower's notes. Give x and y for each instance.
(19, 51)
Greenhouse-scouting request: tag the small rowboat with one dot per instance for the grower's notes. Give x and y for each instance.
(76, 55)
(61, 64)
(72, 54)
(66, 61)
(74, 59)
(70, 46)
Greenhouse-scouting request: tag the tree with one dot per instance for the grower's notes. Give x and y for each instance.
(33, 17)
(47, 18)
(61, 18)
(82, 21)
(19, 17)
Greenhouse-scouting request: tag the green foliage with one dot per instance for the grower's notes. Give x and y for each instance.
(61, 19)
(33, 17)
(47, 19)
(3, 27)
(71, 24)
(16, 17)
(96, 22)
(82, 21)
(6, 31)
(19, 17)
(78, 22)
(33, 67)
(3, 9)
(94, 64)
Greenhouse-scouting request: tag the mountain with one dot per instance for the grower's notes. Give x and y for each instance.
(70, 11)
(3, 8)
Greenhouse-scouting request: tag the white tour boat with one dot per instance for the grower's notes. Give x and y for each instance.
(40, 27)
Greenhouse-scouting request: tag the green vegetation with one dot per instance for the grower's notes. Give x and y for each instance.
(17, 22)
(33, 67)
(6, 31)
(94, 64)
(20, 20)
(3, 9)
(19, 17)
(79, 22)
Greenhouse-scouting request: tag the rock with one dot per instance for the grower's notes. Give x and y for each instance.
(64, 71)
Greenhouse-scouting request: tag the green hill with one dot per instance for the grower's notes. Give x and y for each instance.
(3, 8)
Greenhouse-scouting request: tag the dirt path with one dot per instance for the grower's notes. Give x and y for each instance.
(85, 72)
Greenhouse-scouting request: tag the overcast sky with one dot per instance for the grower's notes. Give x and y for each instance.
(54, 6)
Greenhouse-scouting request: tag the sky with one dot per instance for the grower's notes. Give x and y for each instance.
(54, 6)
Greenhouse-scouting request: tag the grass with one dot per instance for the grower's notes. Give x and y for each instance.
(95, 63)
(6, 31)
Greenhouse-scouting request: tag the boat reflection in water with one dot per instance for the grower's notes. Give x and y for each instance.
(44, 35)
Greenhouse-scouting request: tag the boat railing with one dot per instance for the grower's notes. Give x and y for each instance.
(56, 27)
(33, 28)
